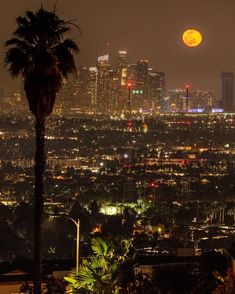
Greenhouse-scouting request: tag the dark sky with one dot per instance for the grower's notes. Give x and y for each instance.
(149, 29)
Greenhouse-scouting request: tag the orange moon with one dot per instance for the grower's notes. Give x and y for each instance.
(192, 38)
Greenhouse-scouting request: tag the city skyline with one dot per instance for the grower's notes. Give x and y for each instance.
(145, 171)
(151, 32)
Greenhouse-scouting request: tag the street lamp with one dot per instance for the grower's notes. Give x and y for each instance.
(77, 224)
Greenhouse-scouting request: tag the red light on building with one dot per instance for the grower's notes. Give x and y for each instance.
(127, 166)
(185, 162)
(129, 83)
(129, 123)
(152, 185)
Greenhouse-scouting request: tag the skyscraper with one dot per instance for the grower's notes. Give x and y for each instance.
(132, 73)
(177, 100)
(156, 88)
(92, 87)
(121, 80)
(142, 75)
(227, 91)
(202, 99)
(103, 101)
(82, 99)
(138, 75)
(65, 97)
(122, 67)
(113, 92)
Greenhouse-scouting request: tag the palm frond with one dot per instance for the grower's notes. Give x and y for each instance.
(99, 246)
(16, 42)
(22, 21)
(26, 33)
(71, 45)
(65, 60)
(105, 269)
(30, 15)
(16, 61)
(73, 24)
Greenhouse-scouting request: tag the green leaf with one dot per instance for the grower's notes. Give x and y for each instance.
(99, 246)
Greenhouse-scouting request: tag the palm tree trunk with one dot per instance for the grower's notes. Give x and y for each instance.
(38, 202)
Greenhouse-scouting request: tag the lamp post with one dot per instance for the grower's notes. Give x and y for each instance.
(77, 224)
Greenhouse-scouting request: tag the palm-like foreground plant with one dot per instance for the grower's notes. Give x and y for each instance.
(39, 52)
(100, 273)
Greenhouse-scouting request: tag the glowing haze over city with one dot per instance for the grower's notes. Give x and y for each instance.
(117, 146)
(151, 30)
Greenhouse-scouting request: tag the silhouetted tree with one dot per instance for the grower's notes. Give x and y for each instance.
(39, 52)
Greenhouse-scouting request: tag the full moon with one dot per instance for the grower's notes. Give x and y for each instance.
(192, 38)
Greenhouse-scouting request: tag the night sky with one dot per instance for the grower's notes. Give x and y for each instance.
(149, 29)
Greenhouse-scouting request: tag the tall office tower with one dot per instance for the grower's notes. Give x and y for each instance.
(142, 72)
(24, 101)
(122, 67)
(132, 73)
(103, 99)
(62, 100)
(92, 88)
(16, 101)
(113, 92)
(165, 104)
(156, 89)
(161, 88)
(121, 79)
(65, 99)
(227, 91)
(142, 84)
(132, 79)
(80, 92)
(177, 100)
(202, 100)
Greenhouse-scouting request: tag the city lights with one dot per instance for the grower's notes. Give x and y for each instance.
(133, 141)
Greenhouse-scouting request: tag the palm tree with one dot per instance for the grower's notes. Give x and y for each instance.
(102, 272)
(40, 54)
